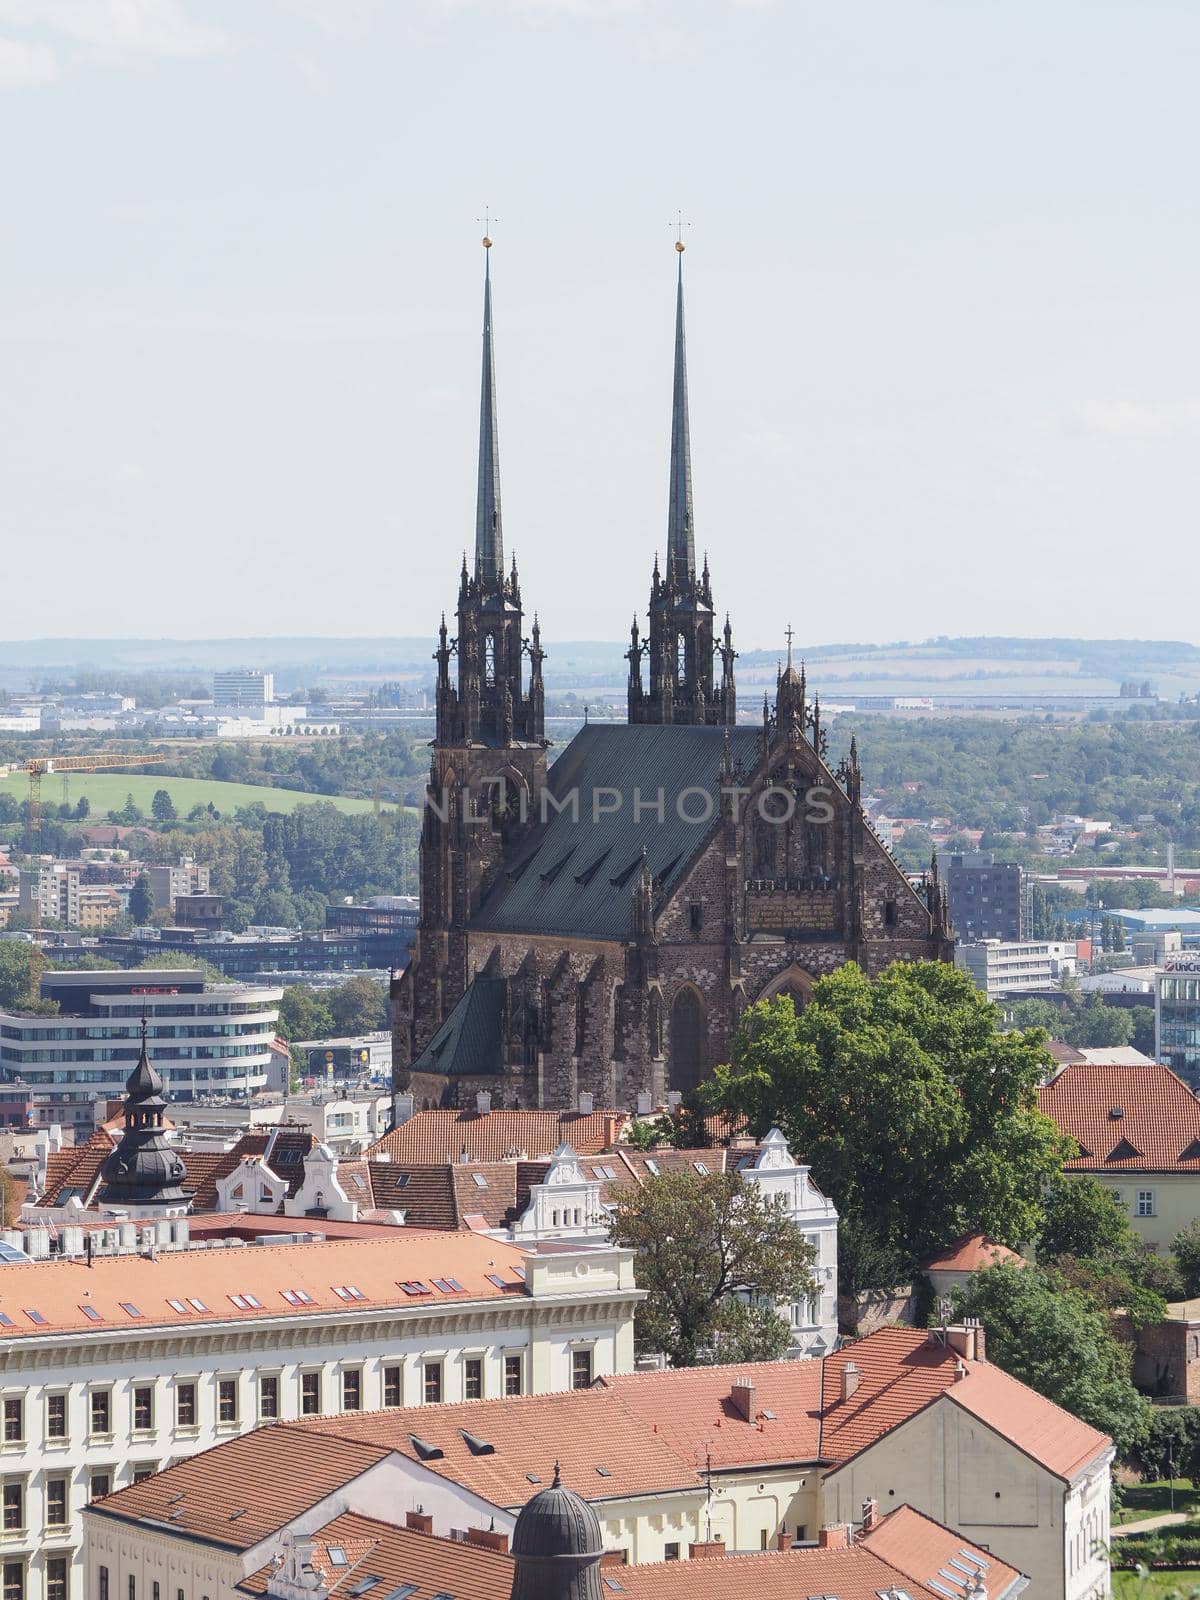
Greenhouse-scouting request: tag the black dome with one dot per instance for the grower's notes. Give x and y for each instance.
(556, 1547)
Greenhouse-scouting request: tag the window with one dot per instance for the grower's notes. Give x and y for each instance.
(14, 1580)
(103, 1576)
(581, 1369)
(56, 1578)
(132, 1587)
(473, 1378)
(101, 1410)
(56, 1502)
(227, 1400)
(13, 1506)
(433, 1383)
(101, 1483)
(671, 1551)
(392, 1389)
(268, 1397)
(512, 1374)
(56, 1416)
(352, 1389)
(185, 1405)
(143, 1408)
(143, 1470)
(1145, 1203)
(14, 1419)
(310, 1394)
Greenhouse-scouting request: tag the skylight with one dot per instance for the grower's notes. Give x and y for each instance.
(197, 1305)
(5, 1320)
(337, 1556)
(89, 1312)
(652, 1167)
(348, 1291)
(614, 1583)
(130, 1310)
(416, 1287)
(494, 1277)
(401, 1591)
(178, 1305)
(701, 1168)
(480, 1181)
(37, 1317)
(365, 1585)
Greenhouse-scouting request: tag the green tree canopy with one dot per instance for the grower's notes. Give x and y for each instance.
(1054, 1338)
(700, 1239)
(1186, 1249)
(141, 899)
(1083, 1218)
(916, 1113)
(360, 1005)
(162, 807)
(304, 1014)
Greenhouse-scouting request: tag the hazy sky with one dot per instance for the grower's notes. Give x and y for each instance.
(943, 278)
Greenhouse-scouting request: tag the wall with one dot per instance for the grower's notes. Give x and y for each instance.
(1176, 1202)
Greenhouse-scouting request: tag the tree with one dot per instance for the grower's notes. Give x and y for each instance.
(162, 807)
(702, 1238)
(1185, 1247)
(83, 808)
(1083, 1218)
(917, 1115)
(304, 1014)
(1099, 1026)
(1054, 1338)
(360, 1005)
(15, 968)
(141, 899)
(10, 1201)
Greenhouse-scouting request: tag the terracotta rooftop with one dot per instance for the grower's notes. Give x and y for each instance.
(434, 1136)
(47, 1297)
(901, 1371)
(923, 1550)
(975, 1252)
(218, 1495)
(1133, 1119)
(398, 1556)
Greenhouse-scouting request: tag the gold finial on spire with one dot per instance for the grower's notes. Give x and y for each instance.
(486, 219)
(680, 225)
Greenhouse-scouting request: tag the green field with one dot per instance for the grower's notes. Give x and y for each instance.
(1129, 1586)
(107, 791)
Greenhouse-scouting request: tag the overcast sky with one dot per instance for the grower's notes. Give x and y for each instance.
(943, 279)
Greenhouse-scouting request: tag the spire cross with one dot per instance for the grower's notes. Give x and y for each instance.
(679, 225)
(486, 219)
(788, 635)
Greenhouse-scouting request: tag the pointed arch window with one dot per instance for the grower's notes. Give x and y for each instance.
(688, 1057)
(489, 658)
(680, 658)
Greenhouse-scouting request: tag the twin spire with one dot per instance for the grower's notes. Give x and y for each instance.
(681, 540)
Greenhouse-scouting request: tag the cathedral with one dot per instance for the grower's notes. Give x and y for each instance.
(596, 925)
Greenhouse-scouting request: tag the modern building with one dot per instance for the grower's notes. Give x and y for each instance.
(114, 1367)
(205, 1038)
(986, 898)
(999, 967)
(51, 889)
(253, 955)
(1177, 1017)
(168, 883)
(1138, 1132)
(246, 689)
(675, 1467)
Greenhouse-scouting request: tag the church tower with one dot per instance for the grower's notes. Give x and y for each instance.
(489, 749)
(144, 1172)
(680, 644)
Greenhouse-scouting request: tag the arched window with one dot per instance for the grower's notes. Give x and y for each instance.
(689, 1055)
(680, 658)
(489, 658)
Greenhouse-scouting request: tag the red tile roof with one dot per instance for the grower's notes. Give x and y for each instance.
(399, 1556)
(218, 1494)
(901, 1372)
(58, 1290)
(975, 1252)
(431, 1136)
(1132, 1119)
(692, 1410)
(923, 1549)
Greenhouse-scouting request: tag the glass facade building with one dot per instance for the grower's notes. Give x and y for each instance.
(1177, 1018)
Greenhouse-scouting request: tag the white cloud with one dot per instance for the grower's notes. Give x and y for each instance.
(1139, 419)
(118, 28)
(25, 66)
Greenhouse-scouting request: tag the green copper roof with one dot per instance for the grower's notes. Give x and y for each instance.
(469, 1039)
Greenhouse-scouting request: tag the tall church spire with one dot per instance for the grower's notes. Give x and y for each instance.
(489, 537)
(681, 539)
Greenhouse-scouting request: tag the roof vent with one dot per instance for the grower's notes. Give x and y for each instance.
(476, 1445)
(425, 1450)
(1115, 1113)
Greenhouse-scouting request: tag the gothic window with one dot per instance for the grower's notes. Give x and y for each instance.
(618, 1038)
(655, 1024)
(489, 658)
(680, 658)
(580, 1019)
(688, 1055)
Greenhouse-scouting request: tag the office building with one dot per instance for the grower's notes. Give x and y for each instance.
(986, 898)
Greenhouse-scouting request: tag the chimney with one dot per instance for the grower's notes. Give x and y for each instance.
(585, 1103)
(870, 1515)
(851, 1378)
(483, 1102)
(960, 1370)
(645, 1103)
(488, 1539)
(403, 1108)
(784, 1541)
(418, 1521)
(741, 1395)
(980, 1338)
(614, 1558)
(709, 1550)
(834, 1537)
(960, 1337)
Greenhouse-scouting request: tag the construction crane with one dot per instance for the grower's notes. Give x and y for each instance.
(46, 766)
